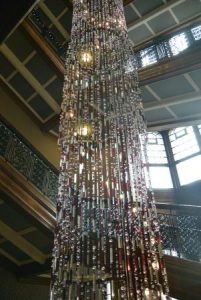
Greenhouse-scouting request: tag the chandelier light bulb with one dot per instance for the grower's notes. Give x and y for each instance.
(155, 265)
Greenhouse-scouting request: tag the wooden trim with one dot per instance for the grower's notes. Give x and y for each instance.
(44, 46)
(21, 243)
(23, 193)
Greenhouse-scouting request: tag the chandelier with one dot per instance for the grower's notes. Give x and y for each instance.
(107, 242)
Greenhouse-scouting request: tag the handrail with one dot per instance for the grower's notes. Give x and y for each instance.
(180, 224)
(26, 160)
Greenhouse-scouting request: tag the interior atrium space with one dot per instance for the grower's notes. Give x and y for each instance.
(100, 150)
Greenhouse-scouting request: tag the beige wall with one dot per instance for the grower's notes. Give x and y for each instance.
(45, 143)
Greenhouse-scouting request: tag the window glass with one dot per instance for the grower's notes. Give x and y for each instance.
(156, 149)
(199, 127)
(189, 170)
(183, 142)
(160, 177)
(196, 31)
(179, 43)
(148, 56)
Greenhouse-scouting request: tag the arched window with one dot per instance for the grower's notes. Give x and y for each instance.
(158, 163)
(186, 153)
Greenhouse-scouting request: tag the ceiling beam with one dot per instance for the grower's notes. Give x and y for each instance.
(189, 97)
(21, 232)
(154, 13)
(186, 121)
(21, 243)
(30, 78)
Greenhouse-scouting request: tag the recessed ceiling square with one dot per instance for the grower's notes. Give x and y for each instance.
(145, 6)
(157, 115)
(162, 22)
(55, 89)
(41, 107)
(19, 44)
(21, 86)
(56, 7)
(196, 76)
(187, 109)
(172, 87)
(6, 67)
(66, 20)
(139, 34)
(14, 251)
(40, 241)
(40, 69)
(187, 9)
(17, 222)
(130, 14)
(147, 96)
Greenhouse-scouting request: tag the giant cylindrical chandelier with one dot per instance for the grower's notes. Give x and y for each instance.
(107, 241)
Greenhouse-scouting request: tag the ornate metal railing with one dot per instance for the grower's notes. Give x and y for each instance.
(180, 227)
(181, 234)
(15, 150)
(159, 49)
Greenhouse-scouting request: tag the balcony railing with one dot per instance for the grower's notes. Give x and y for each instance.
(180, 224)
(159, 50)
(16, 151)
(181, 231)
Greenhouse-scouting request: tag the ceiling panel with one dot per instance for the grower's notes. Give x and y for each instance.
(147, 96)
(187, 109)
(187, 9)
(6, 67)
(196, 76)
(56, 7)
(21, 86)
(172, 87)
(40, 69)
(130, 14)
(66, 20)
(41, 107)
(55, 89)
(20, 45)
(60, 38)
(156, 115)
(139, 34)
(14, 251)
(40, 241)
(145, 6)
(44, 17)
(13, 218)
(161, 22)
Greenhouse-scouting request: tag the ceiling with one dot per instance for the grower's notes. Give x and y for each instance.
(28, 72)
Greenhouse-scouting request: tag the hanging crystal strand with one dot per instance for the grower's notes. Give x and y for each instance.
(107, 241)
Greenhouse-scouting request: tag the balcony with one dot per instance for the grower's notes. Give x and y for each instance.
(28, 188)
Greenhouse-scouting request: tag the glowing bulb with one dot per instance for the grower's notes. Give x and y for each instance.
(84, 131)
(155, 265)
(152, 241)
(134, 210)
(146, 292)
(86, 57)
(70, 114)
(121, 197)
